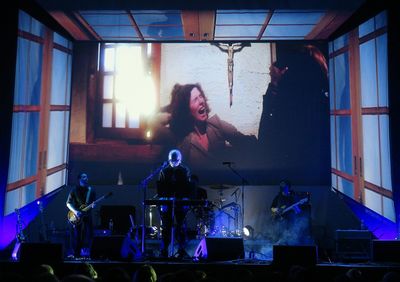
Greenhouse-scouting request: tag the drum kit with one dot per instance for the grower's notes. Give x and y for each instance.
(219, 219)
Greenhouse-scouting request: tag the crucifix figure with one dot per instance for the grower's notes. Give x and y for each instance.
(230, 48)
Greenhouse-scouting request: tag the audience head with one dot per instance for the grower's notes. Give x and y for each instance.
(145, 273)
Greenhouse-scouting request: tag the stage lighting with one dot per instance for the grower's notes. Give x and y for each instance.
(248, 232)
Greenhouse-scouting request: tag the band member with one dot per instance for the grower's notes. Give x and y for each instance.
(289, 220)
(173, 184)
(80, 197)
(283, 200)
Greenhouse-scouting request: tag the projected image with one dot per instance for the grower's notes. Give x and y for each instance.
(40, 121)
(262, 107)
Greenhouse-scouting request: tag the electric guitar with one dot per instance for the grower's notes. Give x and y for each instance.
(281, 212)
(20, 237)
(76, 220)
(43, 229)
(20, 228)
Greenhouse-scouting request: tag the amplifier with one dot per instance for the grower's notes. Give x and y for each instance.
(354, 245)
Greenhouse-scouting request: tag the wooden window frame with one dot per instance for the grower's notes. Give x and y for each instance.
(356, 113)
(112, 132)
(44, 109)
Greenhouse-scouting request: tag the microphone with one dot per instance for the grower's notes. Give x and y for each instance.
(227, 163)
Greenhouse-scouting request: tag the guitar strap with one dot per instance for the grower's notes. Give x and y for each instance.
(88, 195)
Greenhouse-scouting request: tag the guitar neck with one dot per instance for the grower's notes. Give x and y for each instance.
(85, 209)
(295, 204)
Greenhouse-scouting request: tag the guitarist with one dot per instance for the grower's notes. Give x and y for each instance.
(79, 197)
(283, 221)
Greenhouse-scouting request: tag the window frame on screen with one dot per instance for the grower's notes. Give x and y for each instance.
(151, 61)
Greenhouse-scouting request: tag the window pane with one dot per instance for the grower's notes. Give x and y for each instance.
(382, 61)
(373, 201)
(59, 78)
(344, 153)
(123, 86)
(120, 115)
(37, 28)
(346, 187)
(129, 58)
(24, 146)
(56, 154)
(342, 85)
(16, 153)
(381, 20)
(366, 27)
(333, 180)
(331, 85)
(66, 134)
(385, 152)
(369, 96)
(20, 197)
(388, 209)
(12, 201)
(109, 59)
(133, 120)
(341, 42)
(333, 143)
(108, 87)
(68, 97)
(32, 144)
(55, 181)
(107, 114)
(371, 149)
(28, 73)
(35, 72)
(21, 73)
(61, 40)
(24, 21)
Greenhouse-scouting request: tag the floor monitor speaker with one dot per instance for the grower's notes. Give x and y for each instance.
(220, 249)
(41, 253)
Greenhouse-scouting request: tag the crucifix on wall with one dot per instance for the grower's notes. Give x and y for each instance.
(230, 48)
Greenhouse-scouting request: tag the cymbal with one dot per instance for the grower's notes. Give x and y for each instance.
(221, 186)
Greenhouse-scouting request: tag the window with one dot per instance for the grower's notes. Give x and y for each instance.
(360, 146)
(128, 92)
(40, 121)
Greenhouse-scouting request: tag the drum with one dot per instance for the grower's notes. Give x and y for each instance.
(204, 220)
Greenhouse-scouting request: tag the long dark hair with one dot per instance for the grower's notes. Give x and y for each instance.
(182, 121)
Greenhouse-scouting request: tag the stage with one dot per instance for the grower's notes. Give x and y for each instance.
(261, 260)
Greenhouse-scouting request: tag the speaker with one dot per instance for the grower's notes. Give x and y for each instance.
(295, 255)
(353, 245)
(116, 247)
(386, 250)
(218, 249)
(41, 253)
(119, 216)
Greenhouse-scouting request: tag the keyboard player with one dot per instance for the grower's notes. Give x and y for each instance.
(174, 184)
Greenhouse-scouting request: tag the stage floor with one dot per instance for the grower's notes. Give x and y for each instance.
(258, 260)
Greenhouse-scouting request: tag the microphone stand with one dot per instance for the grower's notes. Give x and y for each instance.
(244, 182)
(143, 184)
